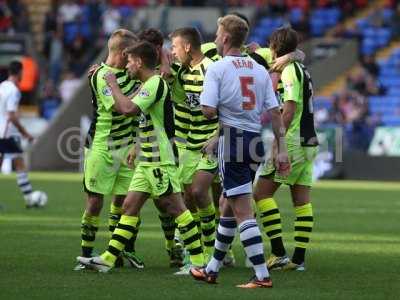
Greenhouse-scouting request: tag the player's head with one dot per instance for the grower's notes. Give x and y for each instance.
(283, 41)
(119, 40)
(15, 69)
(153, 36)
(242, 16)
(184, 42)
(141, 56)
(231, 33)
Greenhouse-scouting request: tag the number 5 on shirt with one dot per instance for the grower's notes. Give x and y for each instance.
(247, 92)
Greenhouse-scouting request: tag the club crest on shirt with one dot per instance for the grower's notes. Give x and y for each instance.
(144, 93)
(142, 120)
(107, 91)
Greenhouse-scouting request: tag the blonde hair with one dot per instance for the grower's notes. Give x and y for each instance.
(236, 27)
(121, 39)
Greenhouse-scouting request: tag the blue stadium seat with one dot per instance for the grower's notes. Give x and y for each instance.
(317, 26)
(295, 15)
(71, 31)
(387, 14)
(368, 46)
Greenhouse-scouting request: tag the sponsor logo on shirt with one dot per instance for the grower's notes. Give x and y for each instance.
(107, 91)
(144, 93)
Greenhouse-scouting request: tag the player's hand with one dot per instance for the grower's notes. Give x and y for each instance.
(28, 137)
(252, 47)
(210, 146)
(110, 78)
(92, 69)
(282, 164)
(131, 158)
(166, 61)
(280, 63)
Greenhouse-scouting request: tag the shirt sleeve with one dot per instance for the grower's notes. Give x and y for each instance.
(210, 94)
(13, 101)
(270, 100)
(147, 94)
(263, 57)
(291, 84)
(103, 91)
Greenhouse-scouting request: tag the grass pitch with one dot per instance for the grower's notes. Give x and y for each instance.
(354, 253)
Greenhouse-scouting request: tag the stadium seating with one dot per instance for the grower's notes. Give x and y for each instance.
(321, 19)
(374, 36)
(388, 106)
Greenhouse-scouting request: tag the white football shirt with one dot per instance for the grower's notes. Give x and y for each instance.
(240, 89)
(9, 101)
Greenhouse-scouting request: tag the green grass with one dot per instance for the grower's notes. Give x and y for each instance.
(354, 254)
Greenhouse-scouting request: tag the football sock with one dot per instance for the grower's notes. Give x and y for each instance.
(250, 236)
(130, 246)
(196, 218)
(224, 238)
(191, 238)
(302, 231)
(207, 218)
(89, 227)
(24, 184)
(114, 216)
(272, 224)
(168, 226)
(126, 227)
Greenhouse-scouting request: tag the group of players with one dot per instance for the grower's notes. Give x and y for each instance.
(166, 128)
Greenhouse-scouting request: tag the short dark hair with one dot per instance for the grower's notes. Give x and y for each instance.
(153, 36)
(242, 16)
(146, 51)
(190, 34)
(283, 41)
(14, 68)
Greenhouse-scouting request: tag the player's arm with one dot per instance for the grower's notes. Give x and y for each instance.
(13, 118)
(271, 105)
(209, 97)
(122, 103)
(291, 94)
(12, 108)
(282, 61)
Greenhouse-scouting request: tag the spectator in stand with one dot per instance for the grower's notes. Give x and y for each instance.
(77, 55)
(50, 100)
(369, 63)
(68, 86)
(49, 28)
(302, 27)
(111, 20)
(395, 23)
(55, 57)
(69, 11)
(5, 17)
(29, 80)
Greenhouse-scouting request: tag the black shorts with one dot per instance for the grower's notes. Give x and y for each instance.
(10, 145)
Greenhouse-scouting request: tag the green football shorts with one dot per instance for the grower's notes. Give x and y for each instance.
(192, 161)
(107, 173)
(301, 159)
(155, 180)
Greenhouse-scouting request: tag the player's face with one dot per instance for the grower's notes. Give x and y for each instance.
(220, 40)
(180, 50)
(133, 66)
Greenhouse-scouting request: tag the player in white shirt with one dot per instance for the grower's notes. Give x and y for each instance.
(11, 129)
(239, 90)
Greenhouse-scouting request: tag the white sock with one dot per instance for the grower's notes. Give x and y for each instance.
(250, 236)
(224, 238)
(24, 184)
